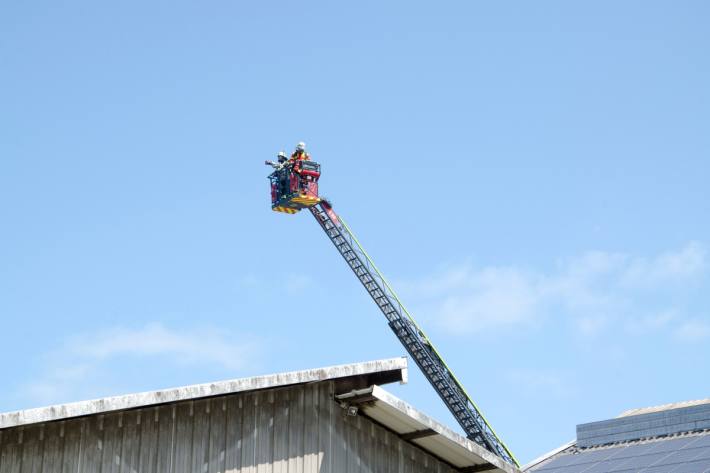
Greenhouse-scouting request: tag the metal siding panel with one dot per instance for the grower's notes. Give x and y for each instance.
(200, 436)
(31, 447)
(131, 441)
(400, 457)
(353, 445)
(217, 440)
(391, 453)
(11, 451)
(233, 454)
(310, 444)
(325, 427)
(166, 439)
(148, 447)
(339, 444)
(265, 432)
(371, 446)
(91, 444)
(184, 420)
(380, 439)
(365, 452)
(111, 451)
(72, 445)
(52, 450)
(249, 434)
(281, 414)
(295, 430)
(408, 458)
(419, 462)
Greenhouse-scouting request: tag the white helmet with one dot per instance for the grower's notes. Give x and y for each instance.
(301, 146)
(282, 154)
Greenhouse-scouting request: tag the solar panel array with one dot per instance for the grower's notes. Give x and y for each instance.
(688, 454)
(654, 424)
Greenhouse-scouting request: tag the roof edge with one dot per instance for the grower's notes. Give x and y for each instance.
(441, 429)
(384, 371)
(547, 456)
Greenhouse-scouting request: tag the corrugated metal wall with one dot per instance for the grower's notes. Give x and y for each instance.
(295, 430)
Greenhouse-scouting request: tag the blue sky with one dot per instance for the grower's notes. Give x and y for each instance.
(531, 176)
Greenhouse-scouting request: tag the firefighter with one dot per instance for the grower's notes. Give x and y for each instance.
(296, 158)
(281, 161)
(300, 153)
(281, 167)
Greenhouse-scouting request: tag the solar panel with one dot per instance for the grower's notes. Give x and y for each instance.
(674, 444)
(642, 461)
(652, 424)
(681, 456)
(693, 467)
(597, 455)
(579, 459)
(606, 466)
(568, 469)
(657, 469)
(562, 460)
(690, 454)
(636, 450)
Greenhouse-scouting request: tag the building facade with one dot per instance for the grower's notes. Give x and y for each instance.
(326, 420)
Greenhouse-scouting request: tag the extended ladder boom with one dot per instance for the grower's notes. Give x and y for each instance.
(412, 337)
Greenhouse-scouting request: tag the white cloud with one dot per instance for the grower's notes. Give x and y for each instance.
(652, 322)
(590, 325)
(540, 383)
(693, 330)
(74, 368)
(249, 281)
(669, 267)
(187, 346)
(297, 284)
(593, 292)
(294, 283)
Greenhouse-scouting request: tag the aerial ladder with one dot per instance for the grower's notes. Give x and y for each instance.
(292, 192)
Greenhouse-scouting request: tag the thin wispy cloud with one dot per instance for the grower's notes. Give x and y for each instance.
(76, 366)
(294, 283)
(540, 383)
(694, 330)
(593, 292)
(183, 346)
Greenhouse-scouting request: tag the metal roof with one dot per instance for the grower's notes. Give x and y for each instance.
(350, 376)
(673, 438)
(425, 432)
(357, 381)
(687, 453)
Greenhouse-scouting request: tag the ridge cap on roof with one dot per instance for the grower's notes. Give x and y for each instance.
(663, 407)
